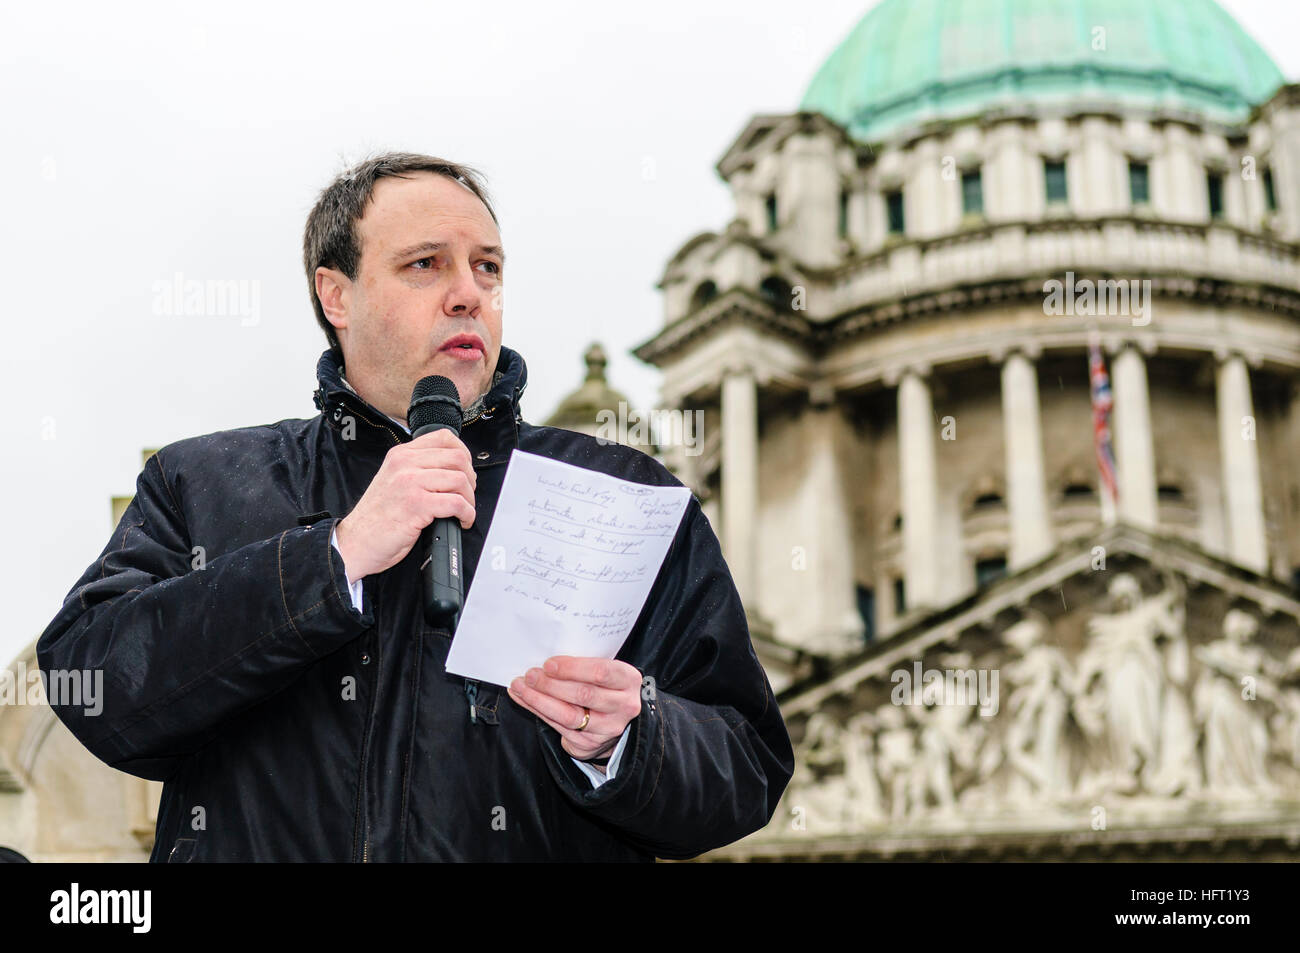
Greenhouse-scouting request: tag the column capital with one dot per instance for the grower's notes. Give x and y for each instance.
(734, 365)
(821, 394)
(1116, 344)
(999, 353)
(1225, 352)
(892, 375)
(740, 366)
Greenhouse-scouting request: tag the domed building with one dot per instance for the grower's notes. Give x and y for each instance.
(989, 388)
(998, 362)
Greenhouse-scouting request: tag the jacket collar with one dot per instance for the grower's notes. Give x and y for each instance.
(489, 437)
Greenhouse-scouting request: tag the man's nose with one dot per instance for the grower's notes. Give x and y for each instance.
(464, 295)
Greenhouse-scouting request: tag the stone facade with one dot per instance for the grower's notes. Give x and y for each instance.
(887, 350)
(930, 365)
(891, 341)
(1130, 697)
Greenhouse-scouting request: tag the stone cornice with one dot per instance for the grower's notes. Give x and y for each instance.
(775, 129)
(735, 306)
(1023, 112)
(1286, 97)
(735, 234)
(987, 230)
(818, 337)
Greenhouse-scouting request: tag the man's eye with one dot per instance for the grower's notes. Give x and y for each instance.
(496, 269)
(422, 261)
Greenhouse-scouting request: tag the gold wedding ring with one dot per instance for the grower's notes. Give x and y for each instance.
(586, 717)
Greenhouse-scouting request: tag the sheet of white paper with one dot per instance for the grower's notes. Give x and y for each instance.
(566, 567)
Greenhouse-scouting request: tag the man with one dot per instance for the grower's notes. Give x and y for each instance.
(257, 613)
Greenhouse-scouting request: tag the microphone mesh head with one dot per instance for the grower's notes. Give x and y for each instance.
(434, 402)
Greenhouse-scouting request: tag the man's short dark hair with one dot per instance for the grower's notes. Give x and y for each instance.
(330, 238)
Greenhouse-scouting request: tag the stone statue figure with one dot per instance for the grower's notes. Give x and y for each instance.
(1236, 732)
(1285, 722)
(1041, 680)
(1129, 690)
(1179, 770)
(865, 805)
(821, 740)
(814, 802)
(896, 759)
(938, 731)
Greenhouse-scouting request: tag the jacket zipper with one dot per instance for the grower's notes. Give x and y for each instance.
(361, 820)
(471, 688)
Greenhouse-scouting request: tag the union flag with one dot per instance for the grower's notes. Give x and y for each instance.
(1102, 403)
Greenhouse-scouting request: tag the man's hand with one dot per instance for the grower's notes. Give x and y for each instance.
(558, 692)
(419, 481)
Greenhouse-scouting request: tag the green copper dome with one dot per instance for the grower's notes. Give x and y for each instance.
(910, 61)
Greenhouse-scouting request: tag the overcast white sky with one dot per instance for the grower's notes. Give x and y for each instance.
(143, 140)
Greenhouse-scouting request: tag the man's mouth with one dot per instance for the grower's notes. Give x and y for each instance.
(464, 347)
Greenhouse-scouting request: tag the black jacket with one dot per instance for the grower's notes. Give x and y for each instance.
(287, 726)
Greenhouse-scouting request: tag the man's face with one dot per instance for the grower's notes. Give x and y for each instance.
(429, 276)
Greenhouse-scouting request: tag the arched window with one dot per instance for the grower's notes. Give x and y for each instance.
(990, 569)
(777, 292)
(705, 293)
(900, 596)
(867, 610)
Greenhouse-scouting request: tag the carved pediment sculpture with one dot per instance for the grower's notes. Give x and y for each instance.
(1123, 693)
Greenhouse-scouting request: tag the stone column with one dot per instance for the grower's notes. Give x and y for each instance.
(1031, 528)
(918, 488)
(1239, 453)
(740, 478)
(1135, 456)
(828, 508)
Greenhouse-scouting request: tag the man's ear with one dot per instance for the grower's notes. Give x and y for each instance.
(335, 292)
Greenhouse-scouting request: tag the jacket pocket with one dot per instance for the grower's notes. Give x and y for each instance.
(483, 699)
(182, 851)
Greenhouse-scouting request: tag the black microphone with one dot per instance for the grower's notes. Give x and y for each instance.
(435, 405)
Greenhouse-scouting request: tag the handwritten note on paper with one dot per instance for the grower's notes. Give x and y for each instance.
(566, 567)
